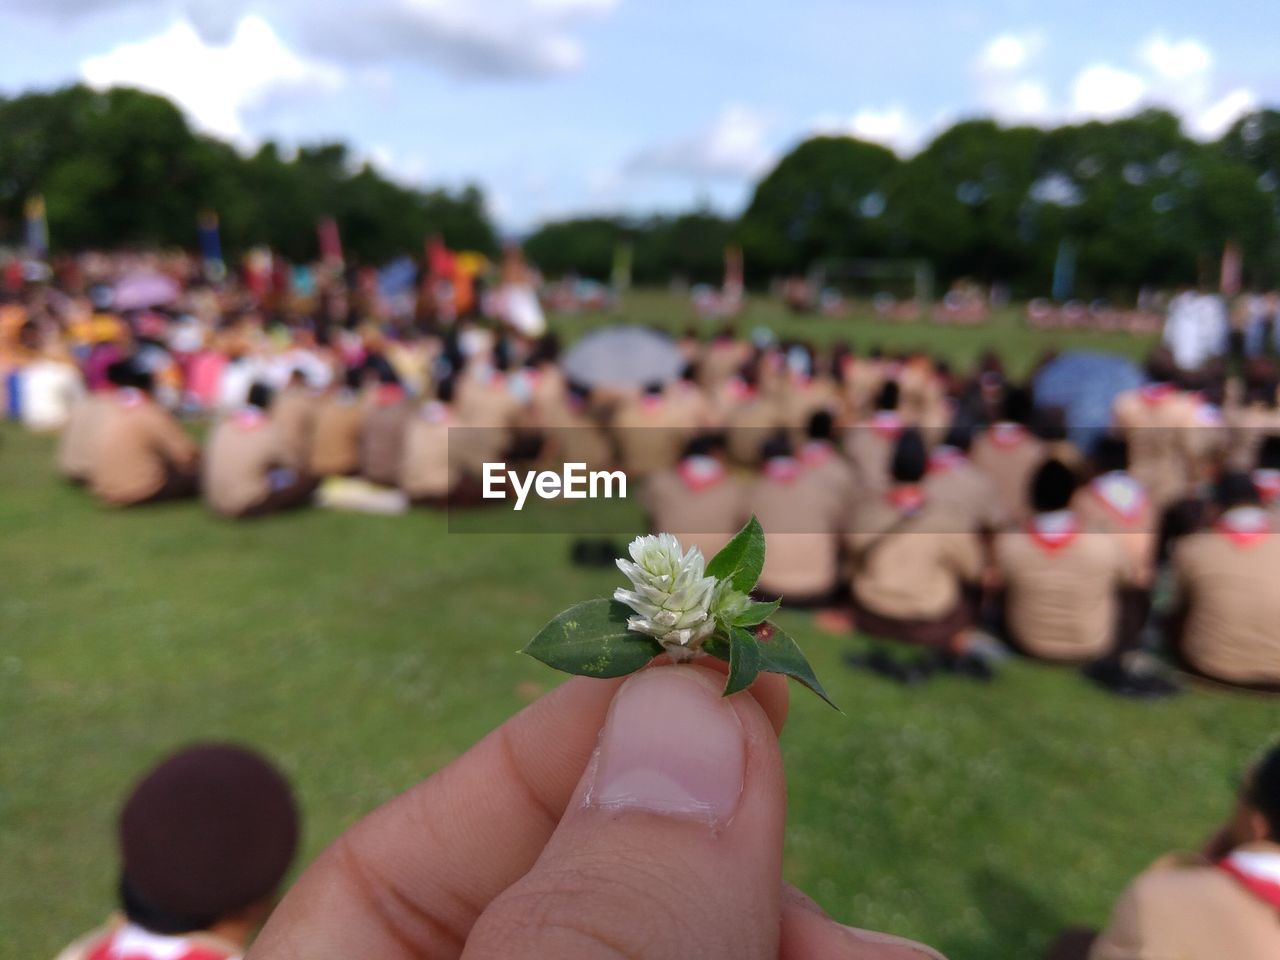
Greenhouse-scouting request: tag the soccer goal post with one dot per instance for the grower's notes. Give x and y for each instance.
(869, 277)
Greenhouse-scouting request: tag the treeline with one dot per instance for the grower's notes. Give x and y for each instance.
(122, 167)
(1126, 204)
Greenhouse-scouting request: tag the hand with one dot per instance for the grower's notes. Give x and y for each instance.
(659, 838)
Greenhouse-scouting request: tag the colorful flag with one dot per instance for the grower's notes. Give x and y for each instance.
(37, 229)
(330, 242)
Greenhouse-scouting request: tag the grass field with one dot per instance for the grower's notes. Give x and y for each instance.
(364, 652)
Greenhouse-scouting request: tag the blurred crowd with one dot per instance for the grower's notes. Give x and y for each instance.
(946, 510)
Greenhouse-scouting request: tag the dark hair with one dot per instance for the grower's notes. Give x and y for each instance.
(1263, 792)
(1269, 454)
(1111, 453)
(121, 373)
(259, 396)
(143, 914)
(1017, 406)
(653, 389)
(1161, 367)
(353, 379)
(959, 435)
(704, 445)
(910, 461)
(444, 390)
(889, 396)
(1235, 490)
(1050, 423)
(777, 445)
(821, 425)
(690, 372)
(1052, 487)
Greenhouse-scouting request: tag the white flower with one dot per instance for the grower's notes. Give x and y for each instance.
(670, 595)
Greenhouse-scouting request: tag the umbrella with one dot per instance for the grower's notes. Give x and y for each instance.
(623, 356)
(138, 291)
(1085, 385)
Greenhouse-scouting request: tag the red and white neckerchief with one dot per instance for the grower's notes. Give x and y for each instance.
(1006, 435)
(701, 473)
(433, 411)
(945, 458)
(1258, 871)
(132, 942)
(1268, 483)
(801, 381)
(887, 424)
(816, 452)
(131, 398)
(1121, 495)
(1053, 531)
(906, 498)
(389, 394)
(739, 390)
(248, 419)
(1245, 526)
(782, 469)
(1154, 394)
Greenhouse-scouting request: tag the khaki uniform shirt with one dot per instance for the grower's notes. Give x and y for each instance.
(335, 447)
(140, 441)
(241, 453)
(802, 541)
(80, 437)
(700, 513)
(1009, 455)
(294, 412)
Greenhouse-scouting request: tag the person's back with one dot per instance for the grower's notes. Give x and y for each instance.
(1062, 584)
(952, 480)
(335, 447)
(142, 452)
(1115, 503)
(1009, 453)
(293, 412)
(427, 475)
(870, 445)
(1156, 420)
(239, 457)
(382, 442)
(1228, 581)
(698, 500)
(649, 433)
(1220, 904)
(78, 446)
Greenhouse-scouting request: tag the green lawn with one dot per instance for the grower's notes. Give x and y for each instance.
(365, 652)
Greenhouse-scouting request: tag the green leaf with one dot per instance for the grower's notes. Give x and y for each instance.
(756, 613)
(591, 639)
(742, 558)
(741, 652)
(780, 654)
(744, 660)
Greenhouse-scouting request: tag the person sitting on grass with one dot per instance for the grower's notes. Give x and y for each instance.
(206, 839)
(1226, 580)
(142, 455)
(699, 499)
(913, 559)
(1222, 904)
(248, 464)
(1009, 453)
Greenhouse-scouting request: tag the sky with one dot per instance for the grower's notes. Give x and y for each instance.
(561, 108)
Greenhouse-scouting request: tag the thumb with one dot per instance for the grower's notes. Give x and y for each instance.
(672, 845)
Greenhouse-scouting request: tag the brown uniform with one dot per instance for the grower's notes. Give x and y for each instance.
(1228, 583)
(247, 468)
(1009, 455)
(699, 501)
(1117, 504)
(1182, 908)
(382, 443)
(954, 482)
(802, 550)
(869, 447)
(910, 564)
(335, 447)
(748, 424)
(832, 476)
(80, 437)
(650, 433)
(142, 453)
(426, 473)
(294, 413)
(1156, 421)
(1062, 585)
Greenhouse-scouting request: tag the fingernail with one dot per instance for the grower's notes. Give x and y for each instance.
(672, 745)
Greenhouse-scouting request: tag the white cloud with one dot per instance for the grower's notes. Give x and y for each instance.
(891, 127)
(1004, 84)
(215, 84)
(1103, 92)
(499, 38)
(734, 146)
(1214, 120)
